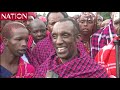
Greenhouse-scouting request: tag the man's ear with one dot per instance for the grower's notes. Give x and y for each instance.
(78, 37)
(47, 27)
(5, 41)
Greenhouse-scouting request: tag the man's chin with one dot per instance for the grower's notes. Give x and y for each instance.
(62, 56)
(20, 54)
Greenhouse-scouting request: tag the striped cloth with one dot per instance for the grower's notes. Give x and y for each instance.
(25, 70)
(30, 41)
(101, 38)
(107, 58)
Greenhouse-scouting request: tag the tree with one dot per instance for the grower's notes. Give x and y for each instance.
(106, 15)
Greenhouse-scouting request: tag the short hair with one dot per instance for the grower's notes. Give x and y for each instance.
(8, 28)
(63, 13)
(89, 14)
(75, 24)
(94, 19)
(38, 21)
(3, 22)
(100, 17)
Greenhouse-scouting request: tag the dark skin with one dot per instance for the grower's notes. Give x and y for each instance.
(99, 21)
(64, 40)
(117, 26)
(52, 19)
(37, 30)
(26, 23)
(15, 46)
(116, 21)
(86, 23)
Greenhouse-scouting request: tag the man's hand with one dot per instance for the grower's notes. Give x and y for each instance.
(51, 74)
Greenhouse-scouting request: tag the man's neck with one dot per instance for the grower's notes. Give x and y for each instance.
(9, 59)
(85, 38)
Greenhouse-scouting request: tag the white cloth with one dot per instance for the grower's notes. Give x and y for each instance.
(25, 58)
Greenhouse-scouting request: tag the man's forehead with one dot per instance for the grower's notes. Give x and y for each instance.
(87, 17)
(18, 29)
(55, 16)
(30, 18)
(37, 24)
(100, 17)
(63, 25)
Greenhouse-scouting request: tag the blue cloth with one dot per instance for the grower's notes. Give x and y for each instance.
(4, 73)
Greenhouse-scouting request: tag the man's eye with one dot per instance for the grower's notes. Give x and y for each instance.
(54, 36)
(18, 39)
(99, 20)
(65, 35)
(81, 21)
(35, 31)
(52, 23)
(90, 22)
(43, 30)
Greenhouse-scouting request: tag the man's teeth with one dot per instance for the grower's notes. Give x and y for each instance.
(60, 49)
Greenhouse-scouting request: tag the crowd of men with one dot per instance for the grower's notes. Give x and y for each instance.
(59, 46)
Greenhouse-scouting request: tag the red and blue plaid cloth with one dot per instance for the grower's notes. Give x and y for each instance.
(101, 38)
(81, 66)
(42, 50)
(25, 70)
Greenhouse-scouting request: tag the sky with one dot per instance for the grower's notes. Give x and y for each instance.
(69, 13)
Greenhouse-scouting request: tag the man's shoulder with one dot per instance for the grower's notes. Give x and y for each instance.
(45, 41)
(27, 65)
(97, 33)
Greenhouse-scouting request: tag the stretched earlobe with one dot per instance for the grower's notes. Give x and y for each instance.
(5, 41)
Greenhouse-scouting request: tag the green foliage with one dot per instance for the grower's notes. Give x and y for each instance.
(106, 15)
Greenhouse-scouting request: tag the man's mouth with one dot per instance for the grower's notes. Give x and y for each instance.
(61, 49)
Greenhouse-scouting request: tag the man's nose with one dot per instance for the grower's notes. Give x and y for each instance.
(38, 33)
(59, 40)
(24, 43)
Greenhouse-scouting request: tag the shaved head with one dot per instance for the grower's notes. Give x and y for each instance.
(72, 24)
(10, 27)
(37, 23)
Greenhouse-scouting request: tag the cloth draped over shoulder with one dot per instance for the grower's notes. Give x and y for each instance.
(101, 38)
(81, 66)
(42, 50)
(107, 58)
(25, 70)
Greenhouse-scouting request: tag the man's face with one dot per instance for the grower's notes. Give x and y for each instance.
(104, 23)
(99, 21)
(17, 44)
(116, 21)
(117, 26)
(52, 19)
(86, 23)
(27, 22)
(38, 32)
(64, 40)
